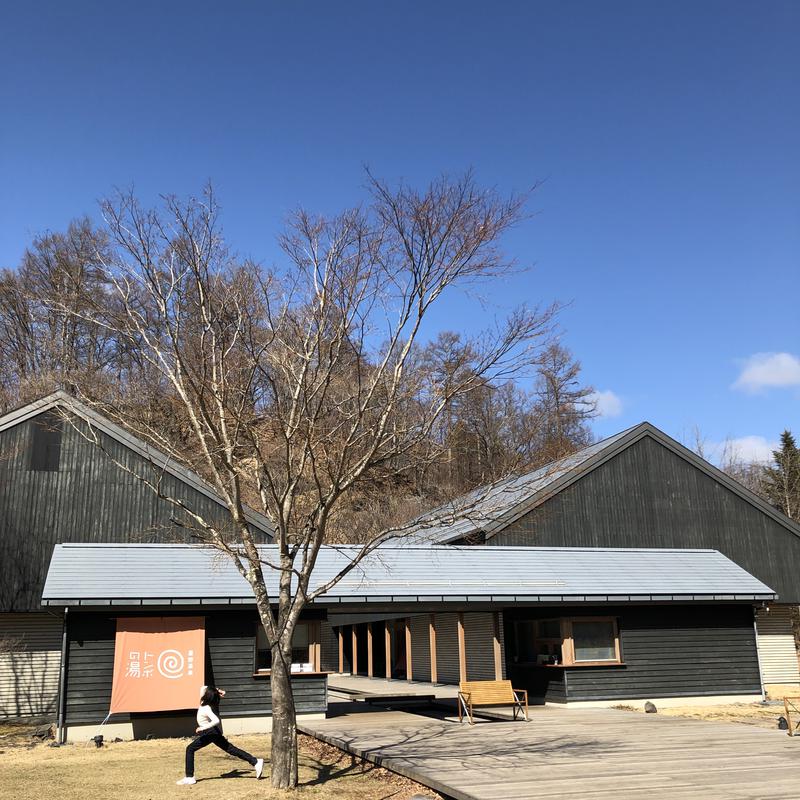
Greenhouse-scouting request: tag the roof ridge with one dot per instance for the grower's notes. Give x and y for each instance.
(399, 546)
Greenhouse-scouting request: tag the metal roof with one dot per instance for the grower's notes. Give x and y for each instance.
(131, 574)
(489, 509)
(160, 460)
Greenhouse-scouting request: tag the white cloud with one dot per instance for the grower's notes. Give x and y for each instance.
(764, 370)
(607, 403)
(745, 449)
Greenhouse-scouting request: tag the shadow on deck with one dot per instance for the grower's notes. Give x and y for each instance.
(594, 754)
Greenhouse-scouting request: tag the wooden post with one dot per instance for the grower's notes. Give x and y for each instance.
(409, 666)
(387, 640)
(354, 662)
(462, 649)
(369, 649)
(315, 646)
(498, 656)
(432, 637)
(340, 634)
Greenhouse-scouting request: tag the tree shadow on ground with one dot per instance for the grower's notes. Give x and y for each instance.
(426, 744)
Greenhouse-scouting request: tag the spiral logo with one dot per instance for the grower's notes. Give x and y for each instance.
(171, 663)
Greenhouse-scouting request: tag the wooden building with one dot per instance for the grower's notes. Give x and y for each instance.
(571, 624)
(642, 489)
(58, 485)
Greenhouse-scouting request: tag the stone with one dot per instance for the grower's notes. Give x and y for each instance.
(649, 708)
(45, 732)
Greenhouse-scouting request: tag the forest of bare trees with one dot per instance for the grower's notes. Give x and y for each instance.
(499, 427)
(48, 341)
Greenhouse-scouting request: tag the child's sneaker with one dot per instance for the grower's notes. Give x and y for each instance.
(186, 782)
(259, 767)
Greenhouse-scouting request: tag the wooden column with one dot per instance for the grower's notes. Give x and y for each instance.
(409, 665)
(498, 656)
(432, 637)
(315, 648)
(369, 649)
(340, 635)
(462, 649)
(387, 641)
(354, 661)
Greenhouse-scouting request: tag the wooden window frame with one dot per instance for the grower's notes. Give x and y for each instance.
(568, 649)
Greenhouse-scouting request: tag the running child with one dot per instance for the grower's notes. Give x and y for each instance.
(209, 730)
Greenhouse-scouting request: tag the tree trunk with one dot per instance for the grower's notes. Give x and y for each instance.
(284, 724)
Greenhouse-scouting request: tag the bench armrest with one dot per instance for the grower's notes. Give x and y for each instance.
(521, 691)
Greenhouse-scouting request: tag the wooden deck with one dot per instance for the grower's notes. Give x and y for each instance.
(590, 754)
(358, 687)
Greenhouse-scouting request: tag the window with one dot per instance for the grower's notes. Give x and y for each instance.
(46, 442)
(594, 640)
(568, 641)
(302, 657)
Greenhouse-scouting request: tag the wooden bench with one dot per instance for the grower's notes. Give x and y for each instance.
(791, 704)
(472, 694)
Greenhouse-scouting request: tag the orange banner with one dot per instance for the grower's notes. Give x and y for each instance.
(159, 663)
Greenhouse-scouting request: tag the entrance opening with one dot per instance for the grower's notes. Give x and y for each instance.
(378, 650)
(362, 649)
(399, 649)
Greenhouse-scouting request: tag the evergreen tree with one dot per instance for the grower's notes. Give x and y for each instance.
(782, 477)
(565, 405)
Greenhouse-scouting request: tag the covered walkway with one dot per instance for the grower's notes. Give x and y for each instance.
(593, 754)
(356, 687)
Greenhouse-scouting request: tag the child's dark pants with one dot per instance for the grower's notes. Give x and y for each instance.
(213, 736)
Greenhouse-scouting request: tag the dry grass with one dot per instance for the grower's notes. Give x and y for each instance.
(777, 691)
(147, 770)
(746, 713)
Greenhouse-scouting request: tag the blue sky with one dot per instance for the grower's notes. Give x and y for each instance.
(666, 135)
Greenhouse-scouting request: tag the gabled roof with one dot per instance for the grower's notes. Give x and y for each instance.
(64, 401)
(173, 574)
(486, 511)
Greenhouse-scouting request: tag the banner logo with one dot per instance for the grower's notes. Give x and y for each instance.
(171, 664)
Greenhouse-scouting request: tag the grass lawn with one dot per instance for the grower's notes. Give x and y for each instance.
(147, 770)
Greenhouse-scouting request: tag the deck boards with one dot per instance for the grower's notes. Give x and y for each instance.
(593, 754)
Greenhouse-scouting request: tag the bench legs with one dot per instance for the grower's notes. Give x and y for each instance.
(520, 697)
(464, 707)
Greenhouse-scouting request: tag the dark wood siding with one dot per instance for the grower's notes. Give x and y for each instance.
(87, 499)
(230, 646)
(648, 496)
(668, 651)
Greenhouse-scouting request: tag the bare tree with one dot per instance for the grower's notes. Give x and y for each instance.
(565, 404)
(298, 386)
(45, 344)
(729, 459)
